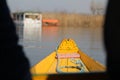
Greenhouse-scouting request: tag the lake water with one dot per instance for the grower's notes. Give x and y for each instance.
(39, 41)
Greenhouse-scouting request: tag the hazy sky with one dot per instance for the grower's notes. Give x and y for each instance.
(81, 6)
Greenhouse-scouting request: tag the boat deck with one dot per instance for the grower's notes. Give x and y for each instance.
(67, 58)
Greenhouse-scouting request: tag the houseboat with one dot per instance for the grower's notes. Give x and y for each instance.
(27, 18)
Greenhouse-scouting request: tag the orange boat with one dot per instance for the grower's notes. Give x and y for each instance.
(50, 22)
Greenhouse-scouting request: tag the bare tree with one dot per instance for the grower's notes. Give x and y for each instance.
(97, 8)
(93, 7)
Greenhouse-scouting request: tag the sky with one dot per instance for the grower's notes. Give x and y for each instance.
(77, 6)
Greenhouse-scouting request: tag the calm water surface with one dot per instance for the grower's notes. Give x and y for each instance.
(39, 42)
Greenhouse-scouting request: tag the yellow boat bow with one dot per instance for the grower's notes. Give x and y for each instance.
(67, 58)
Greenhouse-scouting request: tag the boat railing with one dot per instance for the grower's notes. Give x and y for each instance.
(68, 55)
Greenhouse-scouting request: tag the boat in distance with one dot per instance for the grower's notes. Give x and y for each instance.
(27, 18)
(67, 58)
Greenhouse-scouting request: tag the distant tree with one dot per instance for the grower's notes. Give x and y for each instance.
(93, 7)
(97, 8)
(100, 8)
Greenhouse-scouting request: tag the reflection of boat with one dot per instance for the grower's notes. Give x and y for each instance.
(68, 58)
(25, 18)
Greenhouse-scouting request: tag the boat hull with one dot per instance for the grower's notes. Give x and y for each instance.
(67, 58)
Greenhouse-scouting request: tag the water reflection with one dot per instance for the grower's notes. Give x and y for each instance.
(32, 33)
(50, 33)
(39, 42)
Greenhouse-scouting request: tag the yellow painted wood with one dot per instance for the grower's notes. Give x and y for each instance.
(43, 66)
(49, 64)
(40, 77)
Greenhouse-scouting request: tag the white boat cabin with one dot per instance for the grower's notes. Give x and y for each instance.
(27, 18)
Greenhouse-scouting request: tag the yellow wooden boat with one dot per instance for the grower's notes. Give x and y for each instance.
(67, 58)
